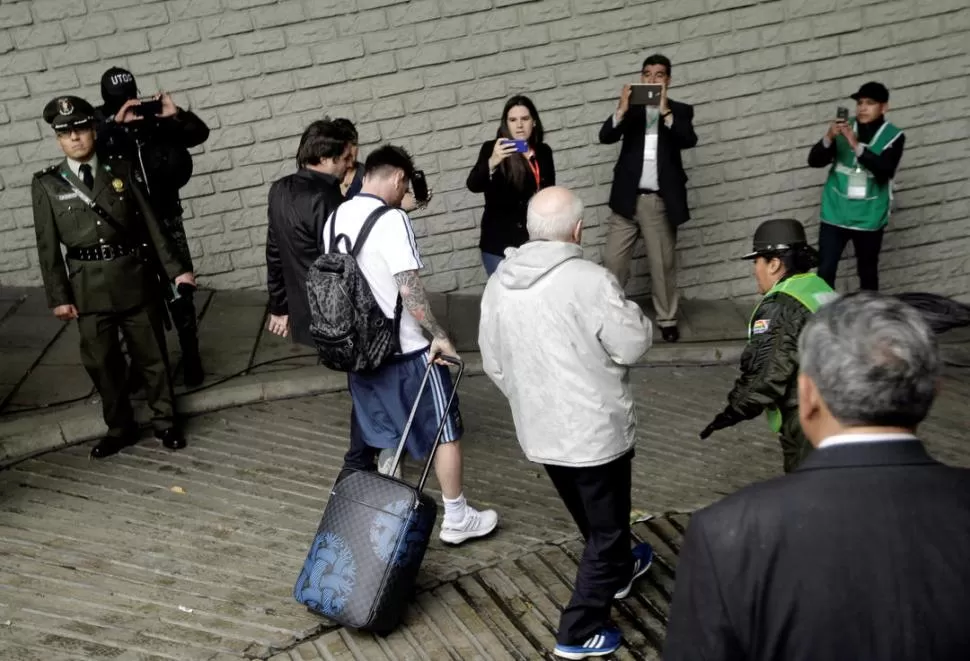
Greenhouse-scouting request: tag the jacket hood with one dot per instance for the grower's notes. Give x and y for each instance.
(523, 267)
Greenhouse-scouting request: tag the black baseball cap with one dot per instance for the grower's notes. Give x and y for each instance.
(774, 236)
(872, 90)
(117, 86)
(69, 112)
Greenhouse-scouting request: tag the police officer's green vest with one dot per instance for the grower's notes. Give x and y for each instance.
(809, 290)
(867, 206)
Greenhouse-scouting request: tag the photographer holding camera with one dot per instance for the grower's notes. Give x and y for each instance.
(154, 136)
(857, 197)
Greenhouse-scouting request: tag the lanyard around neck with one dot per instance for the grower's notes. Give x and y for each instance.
(534, 166)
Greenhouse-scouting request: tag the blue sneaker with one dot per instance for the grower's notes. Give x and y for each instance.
(602, 643)
(642, 558)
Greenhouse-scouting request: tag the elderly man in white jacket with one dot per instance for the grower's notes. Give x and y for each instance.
(557, 336)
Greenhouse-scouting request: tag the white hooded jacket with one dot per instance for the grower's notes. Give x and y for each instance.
(556, 337)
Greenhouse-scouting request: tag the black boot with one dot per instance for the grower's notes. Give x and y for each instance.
(172, 438)
(114, 443)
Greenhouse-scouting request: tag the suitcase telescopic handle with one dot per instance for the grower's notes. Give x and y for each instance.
(452, 360)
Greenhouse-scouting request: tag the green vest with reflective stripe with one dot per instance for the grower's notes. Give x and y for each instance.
(872, 212)
(809, 290)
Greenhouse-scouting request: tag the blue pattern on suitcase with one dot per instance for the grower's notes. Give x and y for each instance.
(385, 528)
(329, 575)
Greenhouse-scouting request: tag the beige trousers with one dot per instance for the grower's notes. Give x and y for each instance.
(660, 238)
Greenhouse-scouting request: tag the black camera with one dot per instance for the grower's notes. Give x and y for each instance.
(419, 186)
(842, 114)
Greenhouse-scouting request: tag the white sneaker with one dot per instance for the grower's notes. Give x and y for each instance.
(476, 524)
(384, 461)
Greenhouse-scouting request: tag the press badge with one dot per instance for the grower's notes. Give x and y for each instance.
(650, 147)
(858, 184)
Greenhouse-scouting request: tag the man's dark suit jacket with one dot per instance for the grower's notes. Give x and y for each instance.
(299, 205)
(670, 168)
(862, 554)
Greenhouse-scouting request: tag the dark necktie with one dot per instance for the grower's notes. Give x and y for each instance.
(86, 177)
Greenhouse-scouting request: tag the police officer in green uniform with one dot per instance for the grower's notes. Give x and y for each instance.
(769, 365)
(116, 256)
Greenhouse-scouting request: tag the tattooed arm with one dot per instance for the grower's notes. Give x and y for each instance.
(415, 301)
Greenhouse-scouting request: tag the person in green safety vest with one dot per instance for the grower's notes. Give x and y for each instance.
(783, 260)
(862, 155)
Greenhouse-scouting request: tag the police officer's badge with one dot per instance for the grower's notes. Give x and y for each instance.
(118, 185)
(64, 106)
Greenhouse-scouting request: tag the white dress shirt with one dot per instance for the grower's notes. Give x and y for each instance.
(851, 439)
(648, 176)
(76, 166)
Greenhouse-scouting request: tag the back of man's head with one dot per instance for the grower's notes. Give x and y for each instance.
(873, 360)
(322, 140)
(388, 160)
(346, 125)
(554, 214)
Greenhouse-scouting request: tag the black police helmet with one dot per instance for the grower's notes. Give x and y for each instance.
(775, 236)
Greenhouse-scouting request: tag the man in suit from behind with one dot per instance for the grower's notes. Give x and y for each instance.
(861, 552)
(649, 193)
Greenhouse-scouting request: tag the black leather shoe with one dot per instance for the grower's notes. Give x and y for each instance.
(670, 333)
(171, 438)
(110, 445)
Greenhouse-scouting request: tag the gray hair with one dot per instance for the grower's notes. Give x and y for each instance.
(553, 214)
(874, 360)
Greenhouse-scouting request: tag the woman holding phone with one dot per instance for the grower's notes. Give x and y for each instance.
(509, 171)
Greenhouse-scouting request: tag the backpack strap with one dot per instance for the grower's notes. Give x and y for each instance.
(372, 219)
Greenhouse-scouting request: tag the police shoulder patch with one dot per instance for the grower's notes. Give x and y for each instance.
(49, 168)
(760, 326)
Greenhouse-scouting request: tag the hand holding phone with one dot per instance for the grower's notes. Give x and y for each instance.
(503, 149)
(841, 117)
(419, 186)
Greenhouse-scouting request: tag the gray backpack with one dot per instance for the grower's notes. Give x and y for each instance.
(348, 327)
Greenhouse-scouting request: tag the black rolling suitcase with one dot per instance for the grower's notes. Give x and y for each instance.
(362, 565)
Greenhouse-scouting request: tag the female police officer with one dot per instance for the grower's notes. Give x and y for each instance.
(769, 365)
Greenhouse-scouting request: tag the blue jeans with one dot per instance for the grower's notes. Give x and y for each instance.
(491, 261)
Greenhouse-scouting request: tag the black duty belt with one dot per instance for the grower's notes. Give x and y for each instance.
(101, 253)
(646, 191)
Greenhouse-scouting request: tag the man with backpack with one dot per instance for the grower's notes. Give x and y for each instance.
(154, 136)
(385, 376)
(299, 203)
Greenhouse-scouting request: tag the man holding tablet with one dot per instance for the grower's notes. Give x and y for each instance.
(649, 195)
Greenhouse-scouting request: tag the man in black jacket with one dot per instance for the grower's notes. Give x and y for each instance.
(299, 205)
(649, 194)
(861, 553)
(156, 142)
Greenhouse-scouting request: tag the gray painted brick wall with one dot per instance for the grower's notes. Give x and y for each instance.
(432, 75)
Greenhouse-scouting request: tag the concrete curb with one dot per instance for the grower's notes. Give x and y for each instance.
(32, 435)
